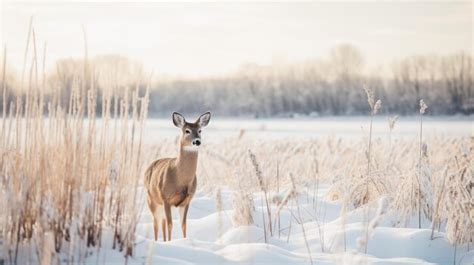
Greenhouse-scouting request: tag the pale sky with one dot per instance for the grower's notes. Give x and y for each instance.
(216, 38)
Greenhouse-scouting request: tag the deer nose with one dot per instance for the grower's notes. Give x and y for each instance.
(197, 142)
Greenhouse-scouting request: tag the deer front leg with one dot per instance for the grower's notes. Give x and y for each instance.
(169, 219)
(183, 212)
(155, 228)
(163, 228)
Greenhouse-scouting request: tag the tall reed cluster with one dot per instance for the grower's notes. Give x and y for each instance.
(68, 177)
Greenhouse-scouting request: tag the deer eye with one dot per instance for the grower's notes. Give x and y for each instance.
(188, 131)
(199, 131)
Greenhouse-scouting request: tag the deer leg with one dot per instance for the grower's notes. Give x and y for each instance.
(183, 212)
(163, 228)
(155, 228)
(153, 210)
(157, 219)
(169, 219)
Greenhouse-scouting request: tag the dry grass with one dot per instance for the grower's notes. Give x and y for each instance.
(226, 163)
(344, 164)
(68, 175)
(447, 174)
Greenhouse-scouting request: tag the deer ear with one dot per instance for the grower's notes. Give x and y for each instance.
(204, 119)
(178, 120)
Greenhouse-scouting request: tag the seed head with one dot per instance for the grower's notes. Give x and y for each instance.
(423, 107)
(258, 172)
(377, 106)
(370, 97)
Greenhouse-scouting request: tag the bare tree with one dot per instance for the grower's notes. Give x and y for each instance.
(330, 86)
(458, 75)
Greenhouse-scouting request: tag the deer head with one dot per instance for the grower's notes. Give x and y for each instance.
(191, 132)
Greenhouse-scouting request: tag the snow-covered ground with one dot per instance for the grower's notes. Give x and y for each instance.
(312, 230)
(351, 126)
(332, 237)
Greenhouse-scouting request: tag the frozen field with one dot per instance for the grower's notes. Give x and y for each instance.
(319, 127)
(322, 220)
(332, 238)
(332, 232)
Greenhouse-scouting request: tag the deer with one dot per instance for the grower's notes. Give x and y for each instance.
(172, 181)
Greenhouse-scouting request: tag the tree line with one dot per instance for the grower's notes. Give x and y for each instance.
(328, 86)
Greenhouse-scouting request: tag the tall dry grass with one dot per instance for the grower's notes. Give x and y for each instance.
(443, 195)
(69, 177)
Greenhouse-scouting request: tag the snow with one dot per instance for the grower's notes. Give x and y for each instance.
(214, 239)
(350, 126)
(334, 236)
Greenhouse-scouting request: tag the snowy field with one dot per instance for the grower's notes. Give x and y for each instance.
(333, 233)
(344, 127)
(212, 238)
(315, 219)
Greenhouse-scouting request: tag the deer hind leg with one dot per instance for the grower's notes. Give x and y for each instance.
(183, 212)
(158, 217)
(153, 210)
(169, 219)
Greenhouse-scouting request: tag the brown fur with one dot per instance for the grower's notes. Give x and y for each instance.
(172, 181)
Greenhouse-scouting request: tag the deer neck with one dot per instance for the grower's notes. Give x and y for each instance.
(186, 164)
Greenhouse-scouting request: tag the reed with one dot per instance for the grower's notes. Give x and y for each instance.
(264, 190)
(374, 108)
(55, 167)
(300, 220)
(423, 108)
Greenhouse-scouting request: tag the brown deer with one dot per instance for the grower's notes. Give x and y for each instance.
(172, 181)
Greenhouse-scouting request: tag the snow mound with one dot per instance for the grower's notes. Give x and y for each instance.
(331, 237)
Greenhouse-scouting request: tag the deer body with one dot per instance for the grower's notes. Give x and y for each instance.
(172, 181)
